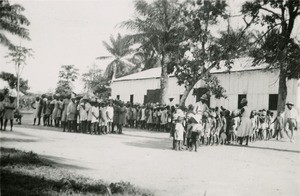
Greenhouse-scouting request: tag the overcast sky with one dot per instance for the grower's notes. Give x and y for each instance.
(70, 32)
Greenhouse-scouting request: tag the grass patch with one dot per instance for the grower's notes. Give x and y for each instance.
(25, 173)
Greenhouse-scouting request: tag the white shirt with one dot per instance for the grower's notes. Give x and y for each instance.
(95, 112)
(89, 111)
(83, 113)
(200, 108)
(143, 117)
(179, 131)
(291, 113)
(110, 113)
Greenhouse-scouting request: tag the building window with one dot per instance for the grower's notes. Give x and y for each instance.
(240, 97)
(118, 97)
(131, 99)
(273, 99)
(145, 99)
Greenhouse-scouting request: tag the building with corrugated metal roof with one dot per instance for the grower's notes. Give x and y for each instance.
(257, 84)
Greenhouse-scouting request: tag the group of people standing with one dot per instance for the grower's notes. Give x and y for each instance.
(8, 106)
(202, 125)
(74, 114)
(191, 127)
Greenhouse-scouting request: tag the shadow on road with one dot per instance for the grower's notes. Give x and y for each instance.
(61, 162)
(161, 144)
(5, 139)
(265, 148)
(142, 136)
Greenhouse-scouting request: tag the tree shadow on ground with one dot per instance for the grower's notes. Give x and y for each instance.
(265, 148)
(162, 144)
(15, 183)
(26, 173)
(40, 127)
(141, 136)
(60, 162)
(5, 139)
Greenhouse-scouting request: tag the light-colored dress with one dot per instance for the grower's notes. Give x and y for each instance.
(150, 117)
(37, 109)
(103, 116)
(179, 130)
(164, 117)
(64, 112)
(95, 113)
(71, 111)
(110, 113)
(55, 110)
(245, 127)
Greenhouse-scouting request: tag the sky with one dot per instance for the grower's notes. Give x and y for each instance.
(65, 32)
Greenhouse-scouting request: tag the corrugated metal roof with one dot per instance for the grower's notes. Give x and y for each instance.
(240, 64)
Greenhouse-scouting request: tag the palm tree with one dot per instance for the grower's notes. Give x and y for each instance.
(121, 57)
(155, 29)
(13, 22)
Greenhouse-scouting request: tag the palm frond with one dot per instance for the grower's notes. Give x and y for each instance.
(5, 41)
(14, 28)
(104, 57)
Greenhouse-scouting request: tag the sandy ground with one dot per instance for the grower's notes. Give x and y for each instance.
(146, 159)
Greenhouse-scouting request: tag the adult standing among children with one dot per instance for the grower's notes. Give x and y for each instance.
(64, 119)
(83, 113)
(201, 106)
(245, 127)
(55, 110)
(116, 116)
(36, 105)
(71, 114)
(291, 117)
(110, 116)
(122, 116)
(9, 108)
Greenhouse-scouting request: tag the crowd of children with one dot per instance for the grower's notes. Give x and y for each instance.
(220, 126)
(191, 127)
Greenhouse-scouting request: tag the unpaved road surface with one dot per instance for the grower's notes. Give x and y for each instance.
(146, 159)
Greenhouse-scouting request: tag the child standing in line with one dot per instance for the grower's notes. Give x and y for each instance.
(253, 118)
(262, 125)
(207, 128)
(279, 126)
(189, 126)
(195, 129)
(179, 130)
(103, 118)
(222, 134)
(163, 118)
(95, 117)
(150, 119)
(109, 115)
(213, 127)
(270, 124)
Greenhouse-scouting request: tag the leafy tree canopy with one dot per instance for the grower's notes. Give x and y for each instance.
(12, 21)
(12, 81)
(67, 75)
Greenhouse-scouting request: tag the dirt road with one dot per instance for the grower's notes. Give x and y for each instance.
(146, 159)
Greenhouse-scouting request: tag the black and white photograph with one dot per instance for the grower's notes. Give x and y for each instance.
(150, 97)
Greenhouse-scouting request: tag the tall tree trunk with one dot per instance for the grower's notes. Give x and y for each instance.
(18, 86)
(164, 81)
(282, 91)
(185, 95)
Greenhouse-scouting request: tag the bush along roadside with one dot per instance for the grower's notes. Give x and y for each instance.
(25, 173)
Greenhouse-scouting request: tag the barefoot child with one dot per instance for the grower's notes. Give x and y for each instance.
(178, 135)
